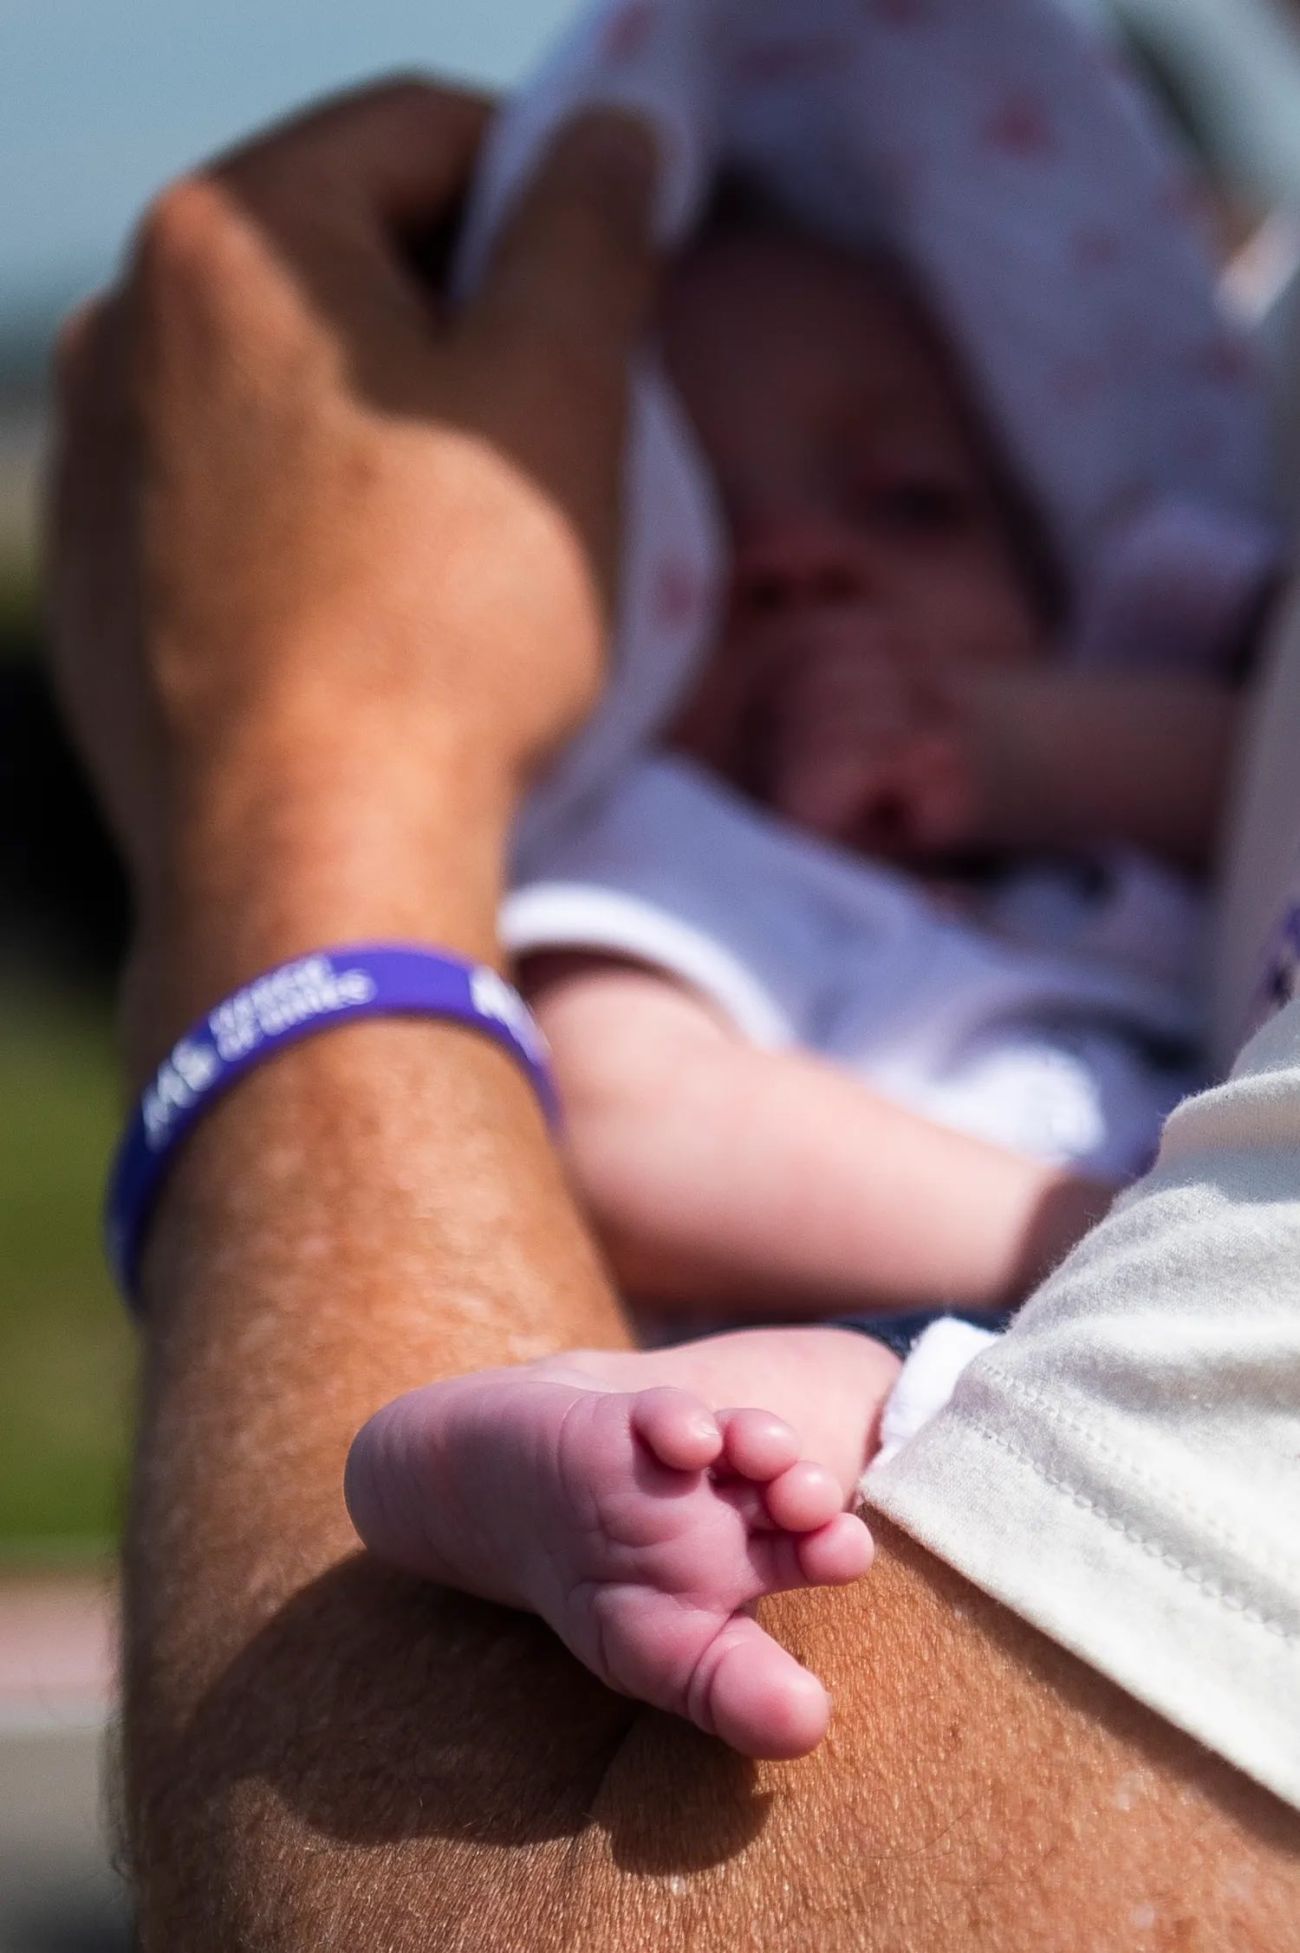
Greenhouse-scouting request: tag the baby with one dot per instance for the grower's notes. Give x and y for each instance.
(882, 680)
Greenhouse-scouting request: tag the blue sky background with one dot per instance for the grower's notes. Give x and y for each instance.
(103, 100)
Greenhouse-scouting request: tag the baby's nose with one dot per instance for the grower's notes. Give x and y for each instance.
(794, 564)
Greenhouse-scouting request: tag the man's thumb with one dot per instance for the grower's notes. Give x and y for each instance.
(574, 267)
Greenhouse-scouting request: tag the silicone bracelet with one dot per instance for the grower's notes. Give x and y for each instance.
(294, 1001)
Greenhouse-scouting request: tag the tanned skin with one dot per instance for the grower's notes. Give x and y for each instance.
(256, 634)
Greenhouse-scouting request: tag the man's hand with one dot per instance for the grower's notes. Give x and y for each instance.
(311, 529)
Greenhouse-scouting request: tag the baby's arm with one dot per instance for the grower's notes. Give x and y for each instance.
(920, 760)
(728, 1176)
(1072, 760)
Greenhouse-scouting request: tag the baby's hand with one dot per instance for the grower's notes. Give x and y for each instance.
(867, 746)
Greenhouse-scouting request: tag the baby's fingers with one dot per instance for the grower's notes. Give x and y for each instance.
(825, 792)
(922, 805)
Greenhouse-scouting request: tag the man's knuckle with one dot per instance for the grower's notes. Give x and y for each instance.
(409, 95)
(405, 91)
(181, 228)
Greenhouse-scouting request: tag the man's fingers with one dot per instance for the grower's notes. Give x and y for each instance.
(74, 346)
(573, 273)
(93, 393)
(552, 326)
(402, 150)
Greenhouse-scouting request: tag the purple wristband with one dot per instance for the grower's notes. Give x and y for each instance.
(291, 1002)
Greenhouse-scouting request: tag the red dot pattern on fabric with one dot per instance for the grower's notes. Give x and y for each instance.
(1078, 382)
(1130, 348)
(899, 13)
(1201, 444)
(1182, 200)
(676, 596)
(1096, 248)
(1020, 127)
(1129, 501)
(900, 174)
(777, 61)
(627, 32)
(1223, 360)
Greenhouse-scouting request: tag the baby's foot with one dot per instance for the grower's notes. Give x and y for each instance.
(641, 1525)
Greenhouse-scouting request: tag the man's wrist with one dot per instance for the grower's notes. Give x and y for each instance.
(287, 852)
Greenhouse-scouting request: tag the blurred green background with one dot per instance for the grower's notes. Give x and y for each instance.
(66, 1369)
(65, 1349)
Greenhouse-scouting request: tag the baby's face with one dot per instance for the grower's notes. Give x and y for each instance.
(862, 514)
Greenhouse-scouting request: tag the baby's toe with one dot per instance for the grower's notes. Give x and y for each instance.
(837, 1553)
(757, 1697)
(757, 1444)
(680, 1429)
(804, 1497)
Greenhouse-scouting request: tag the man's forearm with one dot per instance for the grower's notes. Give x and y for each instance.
(376, 1206)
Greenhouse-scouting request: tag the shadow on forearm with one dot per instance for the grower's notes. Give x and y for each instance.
(388, 1764)
(379, 1710)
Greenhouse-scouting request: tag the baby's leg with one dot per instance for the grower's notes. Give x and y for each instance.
(622, 1497)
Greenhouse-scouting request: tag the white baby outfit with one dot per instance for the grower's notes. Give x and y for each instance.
(1000, 151)
(1051, 1029)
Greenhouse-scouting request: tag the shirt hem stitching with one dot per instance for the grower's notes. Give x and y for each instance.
(1221, 1596)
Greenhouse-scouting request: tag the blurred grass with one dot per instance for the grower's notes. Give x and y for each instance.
(17, 604)
(65, 1344)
